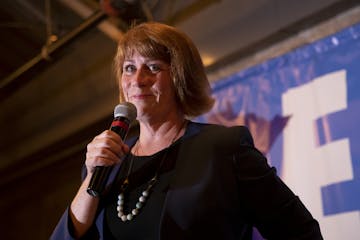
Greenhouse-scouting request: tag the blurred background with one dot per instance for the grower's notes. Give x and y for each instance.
(57, 89)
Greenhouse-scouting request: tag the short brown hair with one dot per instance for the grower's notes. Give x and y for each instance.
(164, 42)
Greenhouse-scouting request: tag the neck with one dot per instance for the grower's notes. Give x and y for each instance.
(155, 138)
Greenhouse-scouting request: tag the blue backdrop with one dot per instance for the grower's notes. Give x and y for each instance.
(303, 109)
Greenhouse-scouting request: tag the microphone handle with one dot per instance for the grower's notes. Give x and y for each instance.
(99, 178)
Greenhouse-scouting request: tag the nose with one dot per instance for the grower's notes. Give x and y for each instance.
(141, 77)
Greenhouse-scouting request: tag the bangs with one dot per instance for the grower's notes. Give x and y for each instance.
(146, 47)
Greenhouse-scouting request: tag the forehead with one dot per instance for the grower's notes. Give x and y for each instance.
(146, 50)
(135, 55)
(137, 58)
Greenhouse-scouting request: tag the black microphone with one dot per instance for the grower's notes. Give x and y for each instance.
(124, 114)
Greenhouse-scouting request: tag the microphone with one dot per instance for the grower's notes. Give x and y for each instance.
(124, 114)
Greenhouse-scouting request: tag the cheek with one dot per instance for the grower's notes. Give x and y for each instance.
(165, 83)
(123, 84)
(122, 88)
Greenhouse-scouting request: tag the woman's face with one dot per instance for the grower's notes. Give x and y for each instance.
(147, 84)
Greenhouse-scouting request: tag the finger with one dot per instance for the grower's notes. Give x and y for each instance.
(101, 152)
(112, 142)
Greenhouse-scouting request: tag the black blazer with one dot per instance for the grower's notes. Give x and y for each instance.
(221, 188)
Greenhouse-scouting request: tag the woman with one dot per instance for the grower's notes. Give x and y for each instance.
(179, 179)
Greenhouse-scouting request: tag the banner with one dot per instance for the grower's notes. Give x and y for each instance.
(303, 109)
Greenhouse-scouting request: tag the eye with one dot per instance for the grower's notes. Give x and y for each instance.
(129, 68)
(154, 68)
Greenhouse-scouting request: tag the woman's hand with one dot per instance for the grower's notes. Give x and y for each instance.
(106, 149)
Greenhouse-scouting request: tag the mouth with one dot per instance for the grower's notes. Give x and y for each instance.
(140, 96)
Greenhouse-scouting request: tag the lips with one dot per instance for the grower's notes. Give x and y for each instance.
(141, 95)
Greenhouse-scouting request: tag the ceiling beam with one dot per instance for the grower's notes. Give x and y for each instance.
(16, 79)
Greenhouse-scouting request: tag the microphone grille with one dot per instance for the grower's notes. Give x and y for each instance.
(127, 110)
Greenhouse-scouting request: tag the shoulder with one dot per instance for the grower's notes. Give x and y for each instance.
(238, 135)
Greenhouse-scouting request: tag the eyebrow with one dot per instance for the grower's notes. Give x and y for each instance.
(147, 60)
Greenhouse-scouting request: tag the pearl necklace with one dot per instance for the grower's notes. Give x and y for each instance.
(145, 194)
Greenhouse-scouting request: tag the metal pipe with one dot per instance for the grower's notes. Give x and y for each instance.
(14, 79)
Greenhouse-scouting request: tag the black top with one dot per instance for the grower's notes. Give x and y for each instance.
(146, 224)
